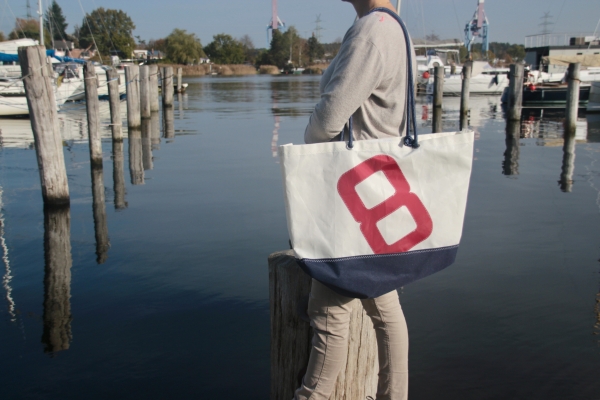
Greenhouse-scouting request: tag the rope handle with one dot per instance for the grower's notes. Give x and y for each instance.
(410, 141)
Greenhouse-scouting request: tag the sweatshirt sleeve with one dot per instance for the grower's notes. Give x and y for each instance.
(358, 71)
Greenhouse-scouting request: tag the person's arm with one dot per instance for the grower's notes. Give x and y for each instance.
(359, 71)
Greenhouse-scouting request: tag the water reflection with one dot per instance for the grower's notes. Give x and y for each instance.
(57, 279)
(168, 123)
(136, 166)
(99, 209)
(568, 164)
(7, 278)
(155, 131)
(510, 165)
(119, 175)
(147, 144)
(180, 103)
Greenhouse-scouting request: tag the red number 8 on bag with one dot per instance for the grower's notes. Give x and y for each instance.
(368, 218)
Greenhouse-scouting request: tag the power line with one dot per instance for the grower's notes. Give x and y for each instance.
(546, 23)
(318, 28)
(28, 10)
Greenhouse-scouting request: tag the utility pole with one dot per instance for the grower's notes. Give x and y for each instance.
(41, 13)
(318, 28)
(546, 23)
(28, 9)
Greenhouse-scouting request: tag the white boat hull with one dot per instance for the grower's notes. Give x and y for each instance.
(480, 84)
(594, 101)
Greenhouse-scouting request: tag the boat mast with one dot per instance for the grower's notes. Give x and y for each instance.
(398, 7)
(41, 14)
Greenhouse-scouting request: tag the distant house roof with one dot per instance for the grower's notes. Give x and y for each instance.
(63, 45)
(423, 43)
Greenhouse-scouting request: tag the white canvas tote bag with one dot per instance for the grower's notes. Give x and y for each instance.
(370, 216)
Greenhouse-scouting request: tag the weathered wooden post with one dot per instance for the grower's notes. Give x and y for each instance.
(99, 210)
(167, 87)
(134, 118)
(515, 92)
(114, 101)
(169, 123)
(510, 165)
(44, 123)
(154, 105)
(145, 91)
(568, 162)
(572, 98)
(147, 144)
(136, 165)
(92, 105)
(180, 103)
(179, 80)
(438, 94)
(57, 279)
(291, 337)
(119, 175)
(464, 96)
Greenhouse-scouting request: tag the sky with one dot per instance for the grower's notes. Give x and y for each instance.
(510, 20)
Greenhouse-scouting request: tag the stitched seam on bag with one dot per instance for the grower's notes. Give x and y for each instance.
(321, 260)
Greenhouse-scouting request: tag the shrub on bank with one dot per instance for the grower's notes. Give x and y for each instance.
(205, 69)
(315, 69)
(268, 70)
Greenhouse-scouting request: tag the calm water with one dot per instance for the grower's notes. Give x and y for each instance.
(178, 305)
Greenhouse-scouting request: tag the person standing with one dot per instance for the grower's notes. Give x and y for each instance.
(368, 82)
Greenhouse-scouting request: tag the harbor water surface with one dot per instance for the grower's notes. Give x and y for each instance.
(173, 303)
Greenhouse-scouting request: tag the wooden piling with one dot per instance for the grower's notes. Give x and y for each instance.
(464, 96)
(438, 94)
(145, 91)
(136, 165)
(574, 82)
(57, 317)
(119, 175)
(167, 87)
(180, 103)
(154, 104)
(92, 105)
(44, 123)
(114, 101)
(134, 118)
(510, 165)
(179, 80)
(291, 337)
(515, 92)
(99, 211)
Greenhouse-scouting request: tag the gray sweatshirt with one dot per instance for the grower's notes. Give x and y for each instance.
(368, 80)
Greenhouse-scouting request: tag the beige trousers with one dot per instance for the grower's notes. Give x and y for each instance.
(330, 318)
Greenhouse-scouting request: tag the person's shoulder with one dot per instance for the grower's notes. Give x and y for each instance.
(377, 26)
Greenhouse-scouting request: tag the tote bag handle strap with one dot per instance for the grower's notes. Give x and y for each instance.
(409, 140)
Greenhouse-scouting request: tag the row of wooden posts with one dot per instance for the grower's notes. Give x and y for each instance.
(142, 102)
(289, 286)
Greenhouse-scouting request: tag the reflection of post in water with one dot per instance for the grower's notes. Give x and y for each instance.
(180, 102)
(7, 278)
(136, 167)
(568, 163)
(597, 311)
(510, 165)
(99, 208)
(146, 144)
(155, 131)
(275, 138)
(169, 123)
(119, 175)
(57, 279)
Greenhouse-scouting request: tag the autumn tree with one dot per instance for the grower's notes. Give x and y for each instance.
(110, 30)
(183, 47)
(249, 50)
(2, 37)
(55, 22)
(224, 49)
(29, 28)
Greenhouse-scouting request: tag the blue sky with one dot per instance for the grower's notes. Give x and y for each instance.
(510, 20)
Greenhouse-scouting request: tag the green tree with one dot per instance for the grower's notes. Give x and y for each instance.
(183, 47)
(314, 49)
(110, 29)
(55, 22)
(224, 49)
(29, 28)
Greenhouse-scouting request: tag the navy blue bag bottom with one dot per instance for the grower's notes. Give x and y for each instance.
(365, 277)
